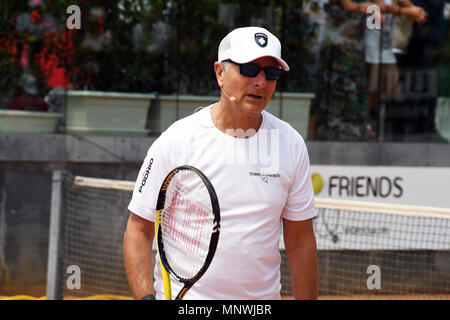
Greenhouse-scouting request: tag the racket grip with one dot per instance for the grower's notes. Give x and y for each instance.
(165, 274)
(166, 282)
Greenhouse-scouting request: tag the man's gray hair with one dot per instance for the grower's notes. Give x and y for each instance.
(226, 65)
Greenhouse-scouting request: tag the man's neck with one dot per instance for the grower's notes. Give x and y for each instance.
(228, 120)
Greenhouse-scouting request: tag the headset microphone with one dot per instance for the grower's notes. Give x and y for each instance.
(232, 98)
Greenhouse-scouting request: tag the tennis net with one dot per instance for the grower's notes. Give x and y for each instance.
(367, 249)
(364, 249)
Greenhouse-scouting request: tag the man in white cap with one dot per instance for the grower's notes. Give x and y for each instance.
(259, 167)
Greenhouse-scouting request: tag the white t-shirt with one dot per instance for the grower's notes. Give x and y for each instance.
(258, 181)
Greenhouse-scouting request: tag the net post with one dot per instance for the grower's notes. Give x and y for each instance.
(54, 289)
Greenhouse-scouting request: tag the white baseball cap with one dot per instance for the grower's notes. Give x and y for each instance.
(243, 45)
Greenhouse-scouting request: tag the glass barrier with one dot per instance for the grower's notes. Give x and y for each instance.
(386, 83)
(356, 75)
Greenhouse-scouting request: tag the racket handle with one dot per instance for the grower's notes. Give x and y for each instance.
(166, 282)
(165, 274)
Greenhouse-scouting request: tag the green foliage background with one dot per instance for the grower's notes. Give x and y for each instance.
(183, 64)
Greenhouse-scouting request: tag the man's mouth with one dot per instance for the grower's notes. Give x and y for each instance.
(254, 96)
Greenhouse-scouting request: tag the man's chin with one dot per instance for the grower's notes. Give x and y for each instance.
(254, 106)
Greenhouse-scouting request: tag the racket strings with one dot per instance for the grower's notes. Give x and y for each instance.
(187, 223)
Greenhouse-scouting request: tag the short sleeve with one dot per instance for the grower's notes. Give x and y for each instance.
(153, 171)
(300, 201)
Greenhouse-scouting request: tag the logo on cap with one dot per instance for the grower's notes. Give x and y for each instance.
(261, 39)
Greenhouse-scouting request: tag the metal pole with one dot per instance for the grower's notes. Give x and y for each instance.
(54, 268)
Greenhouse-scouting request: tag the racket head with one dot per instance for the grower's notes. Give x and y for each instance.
(189, 224)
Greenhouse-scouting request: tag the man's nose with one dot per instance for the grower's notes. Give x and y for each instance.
(260, 79)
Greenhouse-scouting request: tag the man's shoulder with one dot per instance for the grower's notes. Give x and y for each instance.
(185, 127)
(189, 122)
(286, 130)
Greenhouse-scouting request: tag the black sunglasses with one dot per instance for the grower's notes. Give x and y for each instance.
(251, 70)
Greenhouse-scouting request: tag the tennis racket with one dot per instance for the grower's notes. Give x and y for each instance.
(187, 227)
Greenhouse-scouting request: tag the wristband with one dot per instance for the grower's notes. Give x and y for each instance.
(148, 297)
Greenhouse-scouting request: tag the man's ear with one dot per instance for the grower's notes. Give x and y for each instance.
(219, 69)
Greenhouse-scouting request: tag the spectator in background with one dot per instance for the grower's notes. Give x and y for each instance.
(421, 68)
(338, 111)
(45, 44)
(34, 25)
(382, 72)
(96, 38)
(37, 21)
(29, 99)
(348, 69)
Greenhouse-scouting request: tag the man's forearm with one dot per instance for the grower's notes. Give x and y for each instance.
(304, 272)
(301, 251)
(138, 263)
